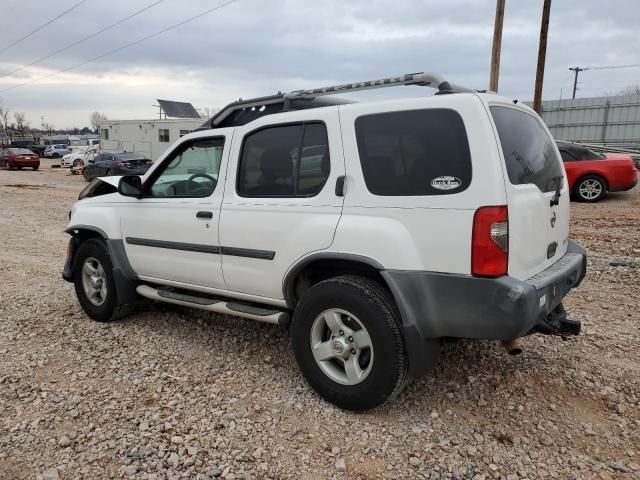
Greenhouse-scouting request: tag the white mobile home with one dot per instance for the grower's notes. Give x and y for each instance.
(149, 137)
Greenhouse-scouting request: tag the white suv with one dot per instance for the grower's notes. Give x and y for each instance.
(372, 229)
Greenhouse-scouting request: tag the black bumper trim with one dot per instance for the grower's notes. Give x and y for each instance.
(435, 305)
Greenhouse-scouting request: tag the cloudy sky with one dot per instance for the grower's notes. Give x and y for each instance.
(257, 47)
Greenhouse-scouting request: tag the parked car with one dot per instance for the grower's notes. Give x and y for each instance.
(419, 219)
(29, 145)
(75, 158)
(56, 151)
(591, 175)
(19, 158)
(114, 163)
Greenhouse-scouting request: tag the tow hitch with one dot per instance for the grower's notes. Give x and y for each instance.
(557, 323)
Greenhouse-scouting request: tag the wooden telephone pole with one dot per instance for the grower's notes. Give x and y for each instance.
(542, 53)
(497, 45)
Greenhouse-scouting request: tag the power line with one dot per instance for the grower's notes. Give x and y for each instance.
(53, 54)
(43, 25)
(135, 42)
(612, 67)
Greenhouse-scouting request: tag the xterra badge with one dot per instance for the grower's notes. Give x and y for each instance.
(446, 183)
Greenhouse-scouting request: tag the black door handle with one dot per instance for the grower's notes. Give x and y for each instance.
(203, 214)
(340, 186)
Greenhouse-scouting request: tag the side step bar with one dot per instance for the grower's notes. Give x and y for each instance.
(218, 305)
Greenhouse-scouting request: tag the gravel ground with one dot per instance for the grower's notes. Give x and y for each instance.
(170, 393)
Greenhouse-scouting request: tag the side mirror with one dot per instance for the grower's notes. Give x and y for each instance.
(130, 186)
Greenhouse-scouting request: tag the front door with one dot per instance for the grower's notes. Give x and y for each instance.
(171, 234)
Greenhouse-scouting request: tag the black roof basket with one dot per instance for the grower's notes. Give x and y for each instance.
(245, 111)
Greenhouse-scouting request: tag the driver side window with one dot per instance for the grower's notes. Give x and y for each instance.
(191, 171)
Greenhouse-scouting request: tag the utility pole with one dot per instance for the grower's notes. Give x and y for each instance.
(497, 45)
(542, 53)
(576, 71)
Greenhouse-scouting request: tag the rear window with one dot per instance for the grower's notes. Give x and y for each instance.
(417, 152)
(530, 154)
(20, 151)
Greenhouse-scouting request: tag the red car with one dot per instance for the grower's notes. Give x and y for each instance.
(18, 158)
(591, 175)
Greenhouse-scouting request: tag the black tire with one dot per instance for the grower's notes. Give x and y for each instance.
(107, 173)
(373, 305)
(582, 184)
(110, 309)
(35, 168)
(55, 155)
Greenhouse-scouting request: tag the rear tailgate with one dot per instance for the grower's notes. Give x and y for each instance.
(538, 225)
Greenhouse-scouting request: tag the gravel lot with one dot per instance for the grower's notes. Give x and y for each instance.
(175, 393)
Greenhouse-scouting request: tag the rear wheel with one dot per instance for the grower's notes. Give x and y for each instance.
(55, 155)
(348, 343)
(94, 282)
(590, 188)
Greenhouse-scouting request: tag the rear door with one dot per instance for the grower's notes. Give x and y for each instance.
(280, 199)
(538, 228)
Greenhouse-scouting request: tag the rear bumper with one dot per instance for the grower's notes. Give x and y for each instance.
(26, 163)
(625, 187)
(435, 305)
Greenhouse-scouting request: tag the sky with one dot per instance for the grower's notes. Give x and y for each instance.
(253, 48)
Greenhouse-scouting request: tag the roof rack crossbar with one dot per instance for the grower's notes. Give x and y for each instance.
(432, 80)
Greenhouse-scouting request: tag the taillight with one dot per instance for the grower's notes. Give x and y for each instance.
(490, 242)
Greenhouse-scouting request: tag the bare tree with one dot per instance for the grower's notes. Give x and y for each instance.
(95, 118)
(21, 121)
(630, 90)
(208, 112)
(47, 127)
(4, 118)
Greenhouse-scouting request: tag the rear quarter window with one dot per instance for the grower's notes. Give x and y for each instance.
(529, 152)
(416, 152)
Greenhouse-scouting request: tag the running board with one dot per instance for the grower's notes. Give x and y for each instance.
(218, 305)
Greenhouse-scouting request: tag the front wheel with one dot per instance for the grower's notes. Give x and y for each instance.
(590, 188)
(348, 342)
(94, 282)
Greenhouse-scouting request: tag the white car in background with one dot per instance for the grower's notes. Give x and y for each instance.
(73, 159)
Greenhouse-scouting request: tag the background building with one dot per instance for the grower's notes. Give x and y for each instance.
(149, 137)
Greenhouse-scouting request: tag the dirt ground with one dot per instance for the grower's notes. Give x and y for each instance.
(175, 393)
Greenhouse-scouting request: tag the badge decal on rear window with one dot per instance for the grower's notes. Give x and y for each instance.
(446, 183)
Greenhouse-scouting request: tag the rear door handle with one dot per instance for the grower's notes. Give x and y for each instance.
(204, 214)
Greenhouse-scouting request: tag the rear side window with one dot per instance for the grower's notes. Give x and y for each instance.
(417, 152)
(529, 153)
(284, 161)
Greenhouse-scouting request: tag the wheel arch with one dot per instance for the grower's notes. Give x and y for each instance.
(318, 266)
(126, 279)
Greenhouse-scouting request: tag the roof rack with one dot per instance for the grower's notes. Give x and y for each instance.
(245, 111)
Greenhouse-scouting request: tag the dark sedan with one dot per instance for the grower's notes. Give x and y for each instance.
(113, 163)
